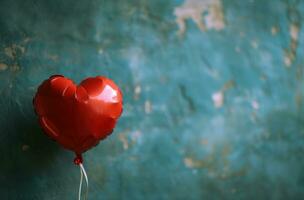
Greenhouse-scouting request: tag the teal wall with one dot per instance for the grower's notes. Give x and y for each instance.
(213, 97)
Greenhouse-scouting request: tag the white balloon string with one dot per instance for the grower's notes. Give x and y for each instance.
(80, 184)
(83, 173)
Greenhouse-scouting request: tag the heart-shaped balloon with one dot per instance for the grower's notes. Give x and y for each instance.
(78, 116)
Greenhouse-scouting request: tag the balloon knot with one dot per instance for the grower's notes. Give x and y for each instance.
(78, 160)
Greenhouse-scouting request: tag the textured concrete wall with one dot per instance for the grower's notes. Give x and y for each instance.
(213, 93)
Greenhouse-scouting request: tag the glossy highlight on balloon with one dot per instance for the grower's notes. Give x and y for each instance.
(78, 116)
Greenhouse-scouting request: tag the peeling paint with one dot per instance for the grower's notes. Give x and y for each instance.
(255, 105)
(218, 99)
(288, 59)
(290, 54)
(3, 66)
(294, 32)
(124, 141)
(21, 48)
(195, 10)
(9, 52)
(219, 96)
(100, 51)
(274, 30)
(148, 107)
(191, 163)
(137, 91)
(15, 67)
(12, 50)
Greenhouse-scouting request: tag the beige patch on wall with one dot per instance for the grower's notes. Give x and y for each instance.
(3, 66)
(218, 97)
(206, 14)
(148, 107)
(122, 137)
(137, 91)
(191, 163)
(11, 51)
(274, 30)
(290, 54)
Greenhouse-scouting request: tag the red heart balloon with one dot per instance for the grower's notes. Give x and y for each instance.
(78, 117)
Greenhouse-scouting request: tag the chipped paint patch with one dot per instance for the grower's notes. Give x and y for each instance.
(148, 107)
(274, 30)
(21, 48)
(137, 91)
(288, 59)
(218, 99)
(100, 51)
(294, 32)
(290, 54)
(124, 141)
(15, 67)
(219, 96)
(9, 52)
(3, 66)
(191, 163)
(195, 10)
(12, 50)
(255, 105)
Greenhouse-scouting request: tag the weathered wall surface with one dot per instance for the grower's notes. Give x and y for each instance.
(213, 93)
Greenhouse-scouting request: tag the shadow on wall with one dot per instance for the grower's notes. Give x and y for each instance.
(25, 151)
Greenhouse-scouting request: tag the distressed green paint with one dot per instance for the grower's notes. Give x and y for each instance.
(174, 141)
